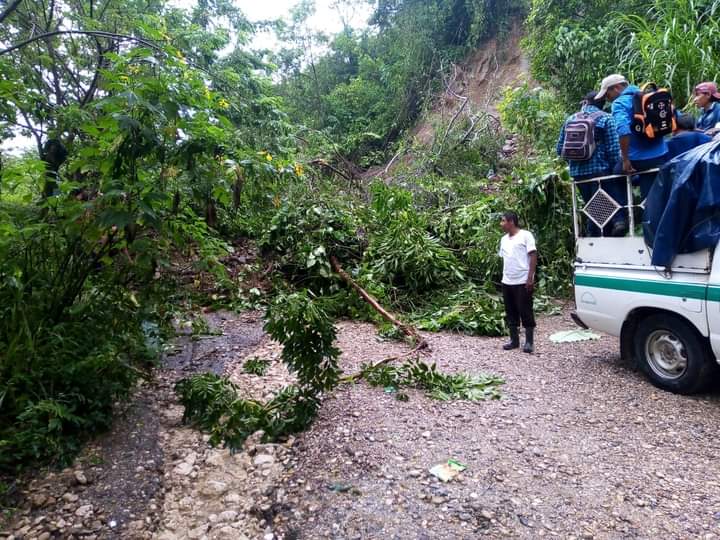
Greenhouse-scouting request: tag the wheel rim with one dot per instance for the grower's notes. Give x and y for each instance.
(666, 354)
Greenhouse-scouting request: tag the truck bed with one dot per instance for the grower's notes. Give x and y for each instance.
(632, 251)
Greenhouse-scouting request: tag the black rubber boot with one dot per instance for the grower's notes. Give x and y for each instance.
(514, 342)
(529, 346)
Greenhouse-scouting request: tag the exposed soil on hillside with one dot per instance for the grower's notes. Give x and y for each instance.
(580, 446)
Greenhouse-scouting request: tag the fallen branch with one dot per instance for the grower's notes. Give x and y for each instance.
(408, 330)
(324, 163)
(397, 155)
(390, 359)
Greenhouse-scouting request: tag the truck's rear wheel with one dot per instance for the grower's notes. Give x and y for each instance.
(673, 354)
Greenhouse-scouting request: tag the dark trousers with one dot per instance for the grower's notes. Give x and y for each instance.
(518, 306)
(645, 181)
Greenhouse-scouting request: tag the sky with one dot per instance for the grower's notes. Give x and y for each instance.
(327, 17)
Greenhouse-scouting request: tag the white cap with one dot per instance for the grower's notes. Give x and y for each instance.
(609, 82)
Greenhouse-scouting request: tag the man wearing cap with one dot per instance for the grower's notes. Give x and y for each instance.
(638, 152)
(706, 98)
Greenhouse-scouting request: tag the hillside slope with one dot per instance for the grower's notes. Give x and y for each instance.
(471, 91)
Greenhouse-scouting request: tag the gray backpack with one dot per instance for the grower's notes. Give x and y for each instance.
(580, 140)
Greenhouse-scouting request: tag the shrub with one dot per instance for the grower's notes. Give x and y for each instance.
(410, 258)
(534, 113)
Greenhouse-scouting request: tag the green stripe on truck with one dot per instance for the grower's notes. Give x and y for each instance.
(664, 288)
(713, 294)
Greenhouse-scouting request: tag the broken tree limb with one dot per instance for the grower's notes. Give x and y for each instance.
(326, 164)
(390, 359)
(406, 329)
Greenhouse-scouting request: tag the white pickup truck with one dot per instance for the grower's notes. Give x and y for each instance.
(668, 321)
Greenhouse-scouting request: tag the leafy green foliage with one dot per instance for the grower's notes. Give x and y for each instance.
(470, 310)
(366, 90)
(407, 256)
(534, 113)
(575, 44)
(159, 144)
(256, 366)
(212, 403)
(303, 235)
(307, 334)
(673, 44)
(437, 385)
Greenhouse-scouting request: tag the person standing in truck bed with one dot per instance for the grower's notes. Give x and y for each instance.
(707, 98)
(639, 153)
(602, 161)
(686, 137)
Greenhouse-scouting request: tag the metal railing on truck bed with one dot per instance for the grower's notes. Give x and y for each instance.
(630, 249)
(602, 207)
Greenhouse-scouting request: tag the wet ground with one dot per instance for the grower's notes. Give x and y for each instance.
(580, 446)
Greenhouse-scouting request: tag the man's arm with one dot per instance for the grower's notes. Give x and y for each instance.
(622, 115)
(625, 152)
(530, 285)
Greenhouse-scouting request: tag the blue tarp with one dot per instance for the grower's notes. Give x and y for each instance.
(682, 211)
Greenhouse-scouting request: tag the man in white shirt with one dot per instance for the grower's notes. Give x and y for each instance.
(519, 254)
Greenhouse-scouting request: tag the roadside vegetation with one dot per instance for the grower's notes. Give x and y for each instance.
(164, 147)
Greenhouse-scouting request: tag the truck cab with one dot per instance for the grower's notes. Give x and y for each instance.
(666, 319)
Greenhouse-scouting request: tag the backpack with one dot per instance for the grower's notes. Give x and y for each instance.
(653, 112)
(580, 143)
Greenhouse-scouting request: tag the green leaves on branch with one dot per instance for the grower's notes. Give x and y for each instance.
(437, 385)
(470, 310)
(300, 324)
(534, 113)
(213, 404)
(409, 257)
(307, 334)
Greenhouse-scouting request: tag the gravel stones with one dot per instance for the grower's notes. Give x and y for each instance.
(580, 446)
(548, 460)
(80, 477)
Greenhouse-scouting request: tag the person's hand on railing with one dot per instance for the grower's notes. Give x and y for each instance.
(627, 167)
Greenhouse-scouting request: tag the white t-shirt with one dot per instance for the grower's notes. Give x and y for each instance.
(515, 251)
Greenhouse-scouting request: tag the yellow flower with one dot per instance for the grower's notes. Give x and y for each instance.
(298, 169)
(223, 103)
(124, 78)
(268, 156)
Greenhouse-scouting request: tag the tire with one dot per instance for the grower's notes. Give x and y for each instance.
(673, 354)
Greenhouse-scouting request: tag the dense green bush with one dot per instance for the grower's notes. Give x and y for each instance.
(407, 256)
(535, 113)
(71, 340)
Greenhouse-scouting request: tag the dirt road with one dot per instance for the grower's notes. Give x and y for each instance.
(580, 446)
